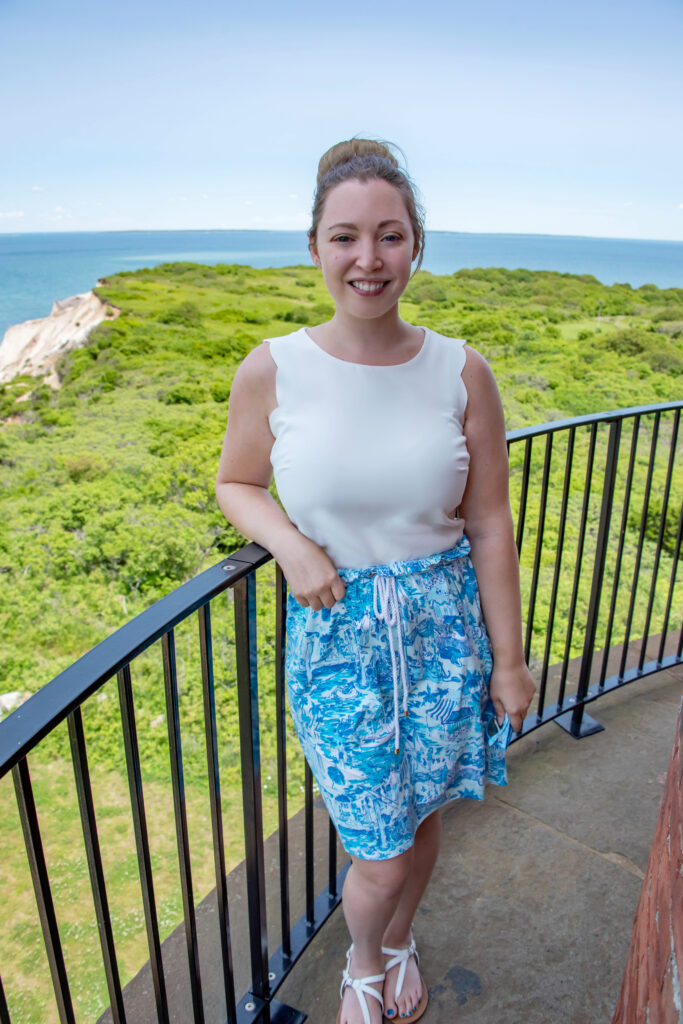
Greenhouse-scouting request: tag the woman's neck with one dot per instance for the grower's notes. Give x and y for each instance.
(378, 341)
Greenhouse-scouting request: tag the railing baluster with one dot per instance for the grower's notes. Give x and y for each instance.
(86, 805)
(580, 724)
(620, 548)
(670, 595)
(137, 803)
(281, 728)
(178, 784)
(641, 539)
(521, 515)
(41, 888)
(4, 1008)
(209, 696)
(332, 860)
(579, 561)
(569, 458)
(539, 545)
(250, 752)
(310, 850)
(660, 539)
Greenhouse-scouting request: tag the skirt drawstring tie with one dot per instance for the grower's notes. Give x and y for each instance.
(385, 605)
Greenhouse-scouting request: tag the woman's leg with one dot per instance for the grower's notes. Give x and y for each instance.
(397, 933)
(372, 890)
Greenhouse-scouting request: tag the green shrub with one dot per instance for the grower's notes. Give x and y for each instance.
(185, 394)
(185, 314)
(219, 390)
(298, 315)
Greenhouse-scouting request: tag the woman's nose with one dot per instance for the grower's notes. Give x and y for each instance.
(368, 257)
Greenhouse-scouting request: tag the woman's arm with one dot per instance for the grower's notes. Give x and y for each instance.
(244, 475)
(488, 524)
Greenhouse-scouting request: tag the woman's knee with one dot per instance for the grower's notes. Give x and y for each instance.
(389, 876)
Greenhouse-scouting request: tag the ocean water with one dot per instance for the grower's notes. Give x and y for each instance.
(36, 269)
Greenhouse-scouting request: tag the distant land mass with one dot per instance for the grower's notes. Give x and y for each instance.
(37, 269)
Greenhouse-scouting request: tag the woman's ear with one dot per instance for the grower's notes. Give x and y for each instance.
(313, 249)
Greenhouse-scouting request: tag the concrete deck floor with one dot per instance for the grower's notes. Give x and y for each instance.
(528, 916)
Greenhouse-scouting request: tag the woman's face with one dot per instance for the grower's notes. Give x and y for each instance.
(365, 246)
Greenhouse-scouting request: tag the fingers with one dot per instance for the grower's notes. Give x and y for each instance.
(516, 721)
(325, 597)
(500, 711)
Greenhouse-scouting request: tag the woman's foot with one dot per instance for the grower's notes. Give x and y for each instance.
(404, 992)
(361, 988)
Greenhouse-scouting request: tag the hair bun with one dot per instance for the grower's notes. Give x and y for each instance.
(342, 152)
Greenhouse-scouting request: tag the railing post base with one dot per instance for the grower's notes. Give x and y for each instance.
(253, 1009)
(282, 1014)
(587, 727)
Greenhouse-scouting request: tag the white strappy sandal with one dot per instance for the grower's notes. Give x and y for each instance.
(362, 987)
(402, 956)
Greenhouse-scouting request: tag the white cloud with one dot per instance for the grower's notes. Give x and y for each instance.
(37, 188)
(12, 214)
(293, 195)
(628, 204)
(59, 209)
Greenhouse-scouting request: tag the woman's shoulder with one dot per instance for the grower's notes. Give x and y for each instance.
(480, 383)
(255, 377)
(476, 367)
(257, 366)
(261, 363)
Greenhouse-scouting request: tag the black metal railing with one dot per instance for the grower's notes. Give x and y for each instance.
(599, 523)
(616, 493)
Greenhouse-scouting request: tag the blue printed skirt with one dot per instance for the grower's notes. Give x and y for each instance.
(388, 691)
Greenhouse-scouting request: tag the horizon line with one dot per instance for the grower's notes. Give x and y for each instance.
(301, 231)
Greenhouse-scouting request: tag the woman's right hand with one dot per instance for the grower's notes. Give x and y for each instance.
(311, 574)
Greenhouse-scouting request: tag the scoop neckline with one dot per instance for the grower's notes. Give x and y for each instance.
(372, 366)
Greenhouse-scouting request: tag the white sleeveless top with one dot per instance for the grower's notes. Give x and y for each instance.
(371, 462)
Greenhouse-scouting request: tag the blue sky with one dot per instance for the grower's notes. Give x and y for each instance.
(519, 116)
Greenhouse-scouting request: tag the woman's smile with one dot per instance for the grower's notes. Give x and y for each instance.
(368, 287)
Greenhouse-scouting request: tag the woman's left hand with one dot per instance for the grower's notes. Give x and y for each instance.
(512, 690)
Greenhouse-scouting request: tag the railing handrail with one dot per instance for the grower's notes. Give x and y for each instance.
(24, 728)
(52, 703)
(589, 419)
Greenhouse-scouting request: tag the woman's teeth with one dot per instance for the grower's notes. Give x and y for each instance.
(368, 286)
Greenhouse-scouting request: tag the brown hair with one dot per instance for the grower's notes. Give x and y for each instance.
(365, 160)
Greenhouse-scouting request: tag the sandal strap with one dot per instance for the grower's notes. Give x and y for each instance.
(362, 987)
(400, 956)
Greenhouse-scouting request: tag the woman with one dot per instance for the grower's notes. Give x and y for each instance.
(388, 446)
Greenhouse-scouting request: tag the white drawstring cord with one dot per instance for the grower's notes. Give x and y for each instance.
(385, 604)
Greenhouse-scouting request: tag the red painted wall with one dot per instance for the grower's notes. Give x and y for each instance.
(651, 989)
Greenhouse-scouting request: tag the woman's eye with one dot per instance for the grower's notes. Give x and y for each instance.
(342, 238)
(392, 237)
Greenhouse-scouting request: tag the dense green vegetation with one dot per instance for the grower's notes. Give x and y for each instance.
(107, 483)
(107, 503)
